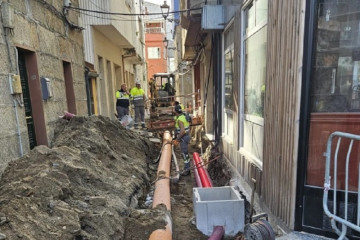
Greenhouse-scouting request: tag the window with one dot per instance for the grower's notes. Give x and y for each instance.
(154, 53)
(255, 73)
(254, 37)
(228, 81)
(335, 85)
(335, 89)
(229, 67)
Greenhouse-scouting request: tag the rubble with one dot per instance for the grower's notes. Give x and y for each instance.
(94, 182)
(86, 186)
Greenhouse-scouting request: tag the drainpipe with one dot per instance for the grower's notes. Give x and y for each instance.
(6, 31)
(162, 189)
(217, 233)
(217, 75)
(17, 119)
(15, 103)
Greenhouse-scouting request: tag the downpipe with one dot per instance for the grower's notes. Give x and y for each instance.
(18, 129)
(16, 119)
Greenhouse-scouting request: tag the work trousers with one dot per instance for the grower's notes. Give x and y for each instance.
(139, 115)
(122, 111)
(184, 146)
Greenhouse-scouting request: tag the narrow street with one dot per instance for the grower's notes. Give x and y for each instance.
(269, 89)
(89, 187)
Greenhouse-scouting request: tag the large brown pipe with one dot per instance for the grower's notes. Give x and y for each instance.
(162, 188)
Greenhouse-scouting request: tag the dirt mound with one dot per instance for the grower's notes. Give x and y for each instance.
(84, 187)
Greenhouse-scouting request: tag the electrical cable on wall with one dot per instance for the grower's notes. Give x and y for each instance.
(16, 97)
(65, 13)
(6, 34)
(118, 19)
(128, 14)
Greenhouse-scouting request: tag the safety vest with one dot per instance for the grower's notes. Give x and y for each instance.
(182, 107)
(181, 118)
(137, 95)
(123, 99)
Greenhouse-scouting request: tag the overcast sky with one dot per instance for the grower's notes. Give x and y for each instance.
(159, 2)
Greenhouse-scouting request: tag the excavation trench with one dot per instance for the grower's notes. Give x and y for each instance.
(91, 183)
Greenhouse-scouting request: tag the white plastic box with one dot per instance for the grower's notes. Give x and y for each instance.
(219, 206)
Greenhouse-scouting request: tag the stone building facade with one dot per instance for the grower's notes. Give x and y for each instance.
(41, 72)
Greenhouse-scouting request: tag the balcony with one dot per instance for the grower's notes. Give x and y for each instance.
(122, 30)
(191, 21)
(155, 30)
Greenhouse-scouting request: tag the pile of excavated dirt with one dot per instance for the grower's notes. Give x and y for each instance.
(92, 184)
(86, 186)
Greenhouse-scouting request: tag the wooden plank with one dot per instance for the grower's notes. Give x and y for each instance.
(282, 106)
(287, 130)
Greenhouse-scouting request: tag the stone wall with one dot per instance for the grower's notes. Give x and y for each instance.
(39, 27)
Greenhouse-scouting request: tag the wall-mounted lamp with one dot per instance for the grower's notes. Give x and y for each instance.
(165, 10)
(166, 42)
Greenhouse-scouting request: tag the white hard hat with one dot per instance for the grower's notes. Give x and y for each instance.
(137, 82)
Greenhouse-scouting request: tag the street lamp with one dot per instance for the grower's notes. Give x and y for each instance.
(166, 42)
(165, 10)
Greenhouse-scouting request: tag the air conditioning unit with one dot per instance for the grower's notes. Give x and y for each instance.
(211, 23)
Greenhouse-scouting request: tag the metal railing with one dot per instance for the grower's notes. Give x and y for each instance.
(154, 30)
(334, 218)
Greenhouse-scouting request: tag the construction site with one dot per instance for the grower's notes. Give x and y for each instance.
(179, 119)
(97, 181)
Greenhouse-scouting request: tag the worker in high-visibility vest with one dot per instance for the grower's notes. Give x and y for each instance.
(182, 134)
(122, 101)
(138, 99)
(181, 105)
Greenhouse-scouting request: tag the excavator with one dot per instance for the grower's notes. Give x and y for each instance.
(162, 91)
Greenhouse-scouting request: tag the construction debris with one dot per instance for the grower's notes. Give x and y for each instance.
(94, 182)
(85, 187)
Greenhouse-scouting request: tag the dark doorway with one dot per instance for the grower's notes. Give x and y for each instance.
(27, 101)
(33, 106)
(69, 88)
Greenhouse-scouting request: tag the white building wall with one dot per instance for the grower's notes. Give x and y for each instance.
(88, 19)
